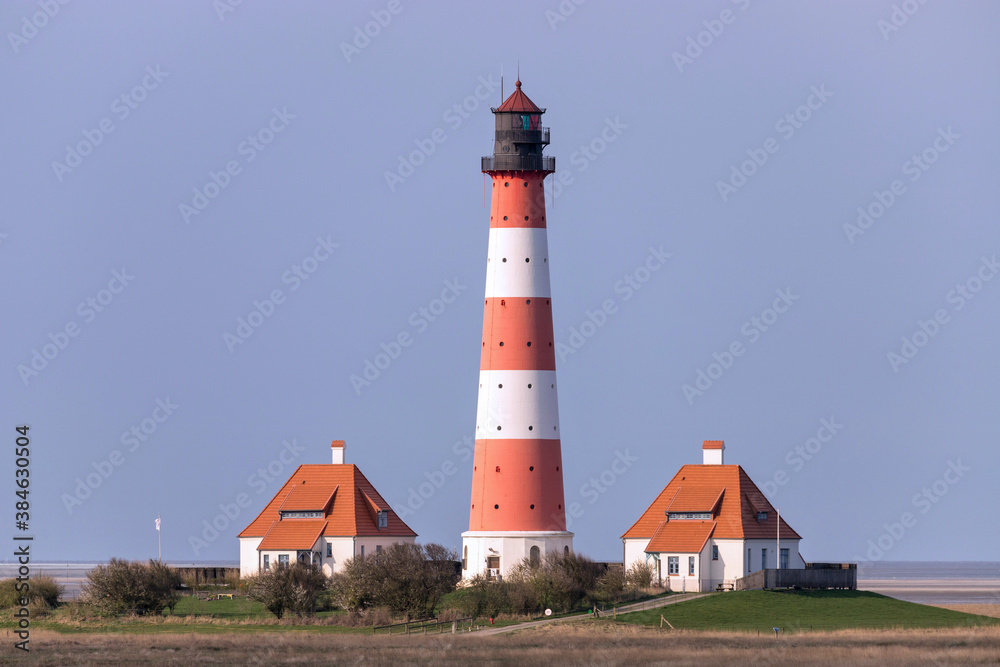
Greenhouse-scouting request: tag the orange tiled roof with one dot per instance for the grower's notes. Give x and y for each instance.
(712, 444)
(292, 534)
(682, 536)
(518, 102)
(696, 488)
(348, 498)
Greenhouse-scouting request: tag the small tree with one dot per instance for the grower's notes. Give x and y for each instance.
(639, 575)
(284, 588)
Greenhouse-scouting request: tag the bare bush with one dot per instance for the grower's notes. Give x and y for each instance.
(284, 588)
(124, 587)
(407, 579)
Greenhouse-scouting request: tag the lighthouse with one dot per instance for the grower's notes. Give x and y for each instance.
(517, 509)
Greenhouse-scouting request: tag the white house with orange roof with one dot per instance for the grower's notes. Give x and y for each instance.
(709, 526)
(325, 514)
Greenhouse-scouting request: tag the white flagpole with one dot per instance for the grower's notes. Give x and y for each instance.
(159, 542)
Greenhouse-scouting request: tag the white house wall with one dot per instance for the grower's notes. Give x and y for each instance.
(248, 555)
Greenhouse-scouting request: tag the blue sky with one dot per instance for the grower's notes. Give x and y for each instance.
(814, 184)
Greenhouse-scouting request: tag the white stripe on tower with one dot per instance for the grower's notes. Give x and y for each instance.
(508, 274)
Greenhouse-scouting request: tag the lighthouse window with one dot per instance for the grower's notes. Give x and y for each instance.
(505, 259)
(505, 217)
(500, 386)
(498, 428)
(529, 343)
(527, 259)
(525, 122)
(526, 184)
(506, 185)
(531, 468)
(496, 507)
(533, 507)
(530, 428)
(501, 343)
(529, 385)
(527, 301)
(525, 217)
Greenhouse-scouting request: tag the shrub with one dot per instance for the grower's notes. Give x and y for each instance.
(42, 590)
(284, 588)
(640, 575)
(123, 587)
(407, 579)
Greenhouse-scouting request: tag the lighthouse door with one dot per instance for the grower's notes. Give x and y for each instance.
(492, 567)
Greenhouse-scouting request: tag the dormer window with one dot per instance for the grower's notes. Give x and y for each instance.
(383, 519)
(317, 514)
(674, 516)
(761, 516)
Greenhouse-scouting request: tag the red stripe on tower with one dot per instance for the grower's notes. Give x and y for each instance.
(517, 506)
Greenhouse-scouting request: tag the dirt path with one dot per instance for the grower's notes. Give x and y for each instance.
(636, 606)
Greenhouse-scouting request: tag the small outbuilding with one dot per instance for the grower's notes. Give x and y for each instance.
(710, 526)
(324, 515)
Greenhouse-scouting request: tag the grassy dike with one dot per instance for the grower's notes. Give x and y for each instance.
(802, 611)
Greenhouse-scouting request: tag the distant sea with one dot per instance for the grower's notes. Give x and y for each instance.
(926, 582)
(71, 575)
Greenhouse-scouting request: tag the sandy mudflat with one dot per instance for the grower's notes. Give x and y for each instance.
(937, 591)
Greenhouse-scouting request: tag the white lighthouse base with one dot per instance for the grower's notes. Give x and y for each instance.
(496, 553)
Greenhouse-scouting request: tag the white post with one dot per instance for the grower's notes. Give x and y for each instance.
(777, 552)
(159, 542)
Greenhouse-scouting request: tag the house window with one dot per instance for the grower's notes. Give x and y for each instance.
(535, 556)
(302, 515)
(748, 560)
(267, 563)
(761, 516)
(783, 563)
(715, 552)
(763, 558)
(283, 559)
(691, 565)
(673, 565)
(465, 558)
(383, 519)
(329, 549)
(378, 548)
(362, 551)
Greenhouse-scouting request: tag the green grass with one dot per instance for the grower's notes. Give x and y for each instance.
(802, 611)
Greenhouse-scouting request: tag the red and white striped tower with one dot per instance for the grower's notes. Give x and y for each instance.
(517, 506)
